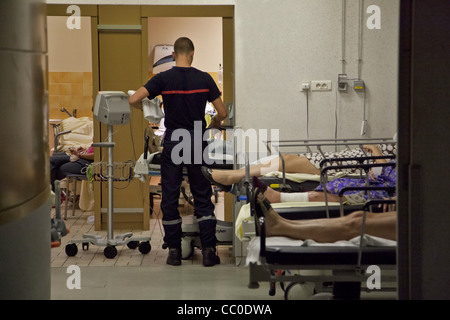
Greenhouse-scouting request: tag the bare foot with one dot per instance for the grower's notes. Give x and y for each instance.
(271, 217)
(272, 195)
(222, 177)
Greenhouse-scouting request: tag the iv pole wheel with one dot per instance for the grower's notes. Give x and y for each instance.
(133, 244)
(145, 247)
(71, 249)
(110, 252)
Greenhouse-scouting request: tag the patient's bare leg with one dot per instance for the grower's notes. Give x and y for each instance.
(293, 164)
(330, 230)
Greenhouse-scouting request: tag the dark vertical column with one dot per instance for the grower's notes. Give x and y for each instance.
(24, 170)
(423, 150)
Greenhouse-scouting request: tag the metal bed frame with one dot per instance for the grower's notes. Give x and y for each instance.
(348, 265)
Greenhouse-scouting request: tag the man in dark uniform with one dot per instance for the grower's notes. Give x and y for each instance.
(185, 91)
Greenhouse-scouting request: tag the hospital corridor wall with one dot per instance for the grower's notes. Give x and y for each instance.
(280, 43)
(24, 187)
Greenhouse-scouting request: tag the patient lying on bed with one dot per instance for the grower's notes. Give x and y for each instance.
(386, 178)
(383, 225)
(307, 163)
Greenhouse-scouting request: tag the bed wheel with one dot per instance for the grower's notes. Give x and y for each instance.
(85, 246)
(133, 244)
(71, 249)
(299, 291)
(110, 252)
(145, 247)
(272, 289)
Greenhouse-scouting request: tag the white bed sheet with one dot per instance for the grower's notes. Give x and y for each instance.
(253, 249)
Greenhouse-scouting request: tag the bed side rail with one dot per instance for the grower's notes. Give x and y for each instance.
(361, 166)
(261, 227)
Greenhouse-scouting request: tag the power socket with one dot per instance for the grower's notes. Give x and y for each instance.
(305, 85)
(342, 82)
(321, 85)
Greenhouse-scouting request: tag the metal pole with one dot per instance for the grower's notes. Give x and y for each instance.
(110, 167)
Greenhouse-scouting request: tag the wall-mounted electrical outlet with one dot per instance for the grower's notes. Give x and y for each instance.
(342, 82)
(305, 86)
(321, 85)
(359, 85)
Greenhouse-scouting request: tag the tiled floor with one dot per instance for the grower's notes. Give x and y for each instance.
(132, 275)
(80, 224)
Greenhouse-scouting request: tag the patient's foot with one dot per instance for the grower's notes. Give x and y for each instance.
(270, 194)
(271, 217)
(207, 172)
(224, 177)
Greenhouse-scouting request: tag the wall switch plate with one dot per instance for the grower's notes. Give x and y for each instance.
(358, 85)
(305, 85)
(321, 85)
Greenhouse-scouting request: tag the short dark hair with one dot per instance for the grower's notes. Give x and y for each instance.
(183, 45)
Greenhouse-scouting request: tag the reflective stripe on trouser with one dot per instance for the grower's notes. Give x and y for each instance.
(172, 232)
(171, 178)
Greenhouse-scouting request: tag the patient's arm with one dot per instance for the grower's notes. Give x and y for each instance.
(375, 151)
(87, 156)
(83, 154)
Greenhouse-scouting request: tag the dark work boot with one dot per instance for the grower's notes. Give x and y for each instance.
(209, 257)
(174, 257)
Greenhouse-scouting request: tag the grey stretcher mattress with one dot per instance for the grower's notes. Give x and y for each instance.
(329, 255)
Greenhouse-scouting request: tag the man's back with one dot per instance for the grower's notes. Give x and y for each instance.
(185, 92)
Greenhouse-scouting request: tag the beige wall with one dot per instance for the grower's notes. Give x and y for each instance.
(69, 50)
(206, 33)
(280, 43)
(70, 68)
(70, 56)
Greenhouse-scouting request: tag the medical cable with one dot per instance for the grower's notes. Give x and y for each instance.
(307, 116)
(343, 36)
(131, 136)
(360, 32)
(336, 119)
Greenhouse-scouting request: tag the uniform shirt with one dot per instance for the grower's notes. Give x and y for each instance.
(185, 92)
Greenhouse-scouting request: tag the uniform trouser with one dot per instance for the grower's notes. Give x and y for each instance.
(171, 179)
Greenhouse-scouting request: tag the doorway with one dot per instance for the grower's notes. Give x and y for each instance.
(119, 47)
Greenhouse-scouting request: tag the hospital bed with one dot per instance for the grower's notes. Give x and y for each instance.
(338, 270)
(341, 270)
(244, 223)
(320, 265)
(331, 167)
